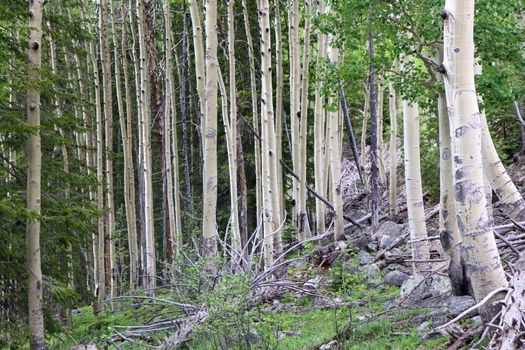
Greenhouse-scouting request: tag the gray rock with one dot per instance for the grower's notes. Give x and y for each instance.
(418, 288)
(329, 346)
(282, 335)
(313, 283)
(454, 305)
(389, 228)
(364, 257)
(386, 241)
(396, 278)
(372, 272)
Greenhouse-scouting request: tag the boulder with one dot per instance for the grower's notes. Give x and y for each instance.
(386, 241)
(389, 228)
(372, 273)
(365, 257)
(396, 278)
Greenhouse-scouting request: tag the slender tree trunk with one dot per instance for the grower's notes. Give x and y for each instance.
(380, 141)
(145, 143)
(481, 255)
(271, 202)
(170, 146)
(414, 188)
(184, 112)
(334, 150)
(129, 173)
(279, 88)
(232, 136)
(109, 219)
(374, 171)
(319, 130)
(209, 170)
(255, 112)
(364, 153)
(392, 107)
(302, 217)
(200, 72)
(34, 165)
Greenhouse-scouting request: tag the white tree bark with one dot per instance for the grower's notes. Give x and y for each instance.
(392, 108)
(34, 173)
(481, 255)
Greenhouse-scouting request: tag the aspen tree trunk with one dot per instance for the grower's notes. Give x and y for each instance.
(414, 188)
(374, 169)
(279, 88)
(481, 256)
(209, 169)
(364, 155)
(232, 136)
(255, 113)
(302, 218)
(109, 219)
(243, 192)
(448, 225)
(170, 145)
(200, 71)
(392, 108)
(145, 143)
(334, 151)
(502, 184)
(271, 207)
(295, 96)
(34, 165)
(99, 249)
(319, 131)
(129, 172)
(380, 141)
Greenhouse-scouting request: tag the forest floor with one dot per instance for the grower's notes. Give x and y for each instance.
(345, 307)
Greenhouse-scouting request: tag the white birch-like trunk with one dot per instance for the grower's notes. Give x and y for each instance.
(414, 188)
(480, 252)
(34, 173)
(209, 169)
(319, 131)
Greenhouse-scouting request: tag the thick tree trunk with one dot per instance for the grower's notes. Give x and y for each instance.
(480, 253)
(34, 167)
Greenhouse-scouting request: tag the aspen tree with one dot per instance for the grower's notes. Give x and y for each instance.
(364, 153)
(145, 145)
(279, 88)
(98, 245)
(392, 108)
(295, 96)
(380, 140)
(170, 145)
(448, 225)
(209, 169)
(481, 257)
(414, 188)
(374, 169)
(105, 60)
(34, 173)
(271, 207)
(200, 68)
(128, 153)
(334, 149)
(232, 132)
(122, 122)
(302, 218)
(255, 113)
(319, 130)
